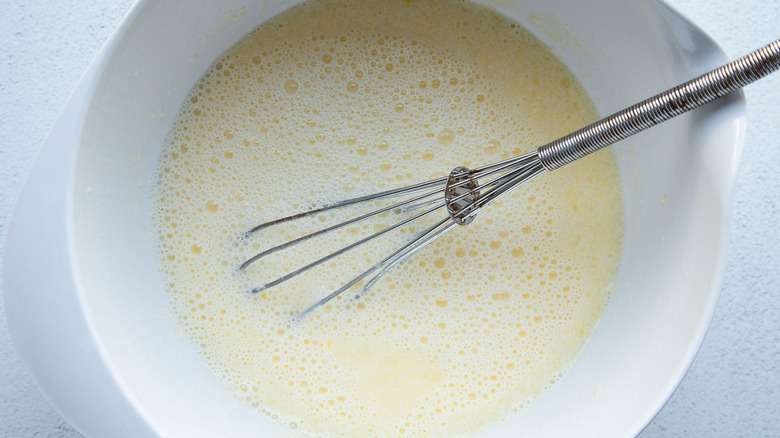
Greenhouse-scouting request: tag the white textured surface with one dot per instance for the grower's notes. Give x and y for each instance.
(732, 388)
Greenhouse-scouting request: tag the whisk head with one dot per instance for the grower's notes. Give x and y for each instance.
(462, 195)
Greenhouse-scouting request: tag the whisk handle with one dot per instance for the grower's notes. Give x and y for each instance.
(661, 107)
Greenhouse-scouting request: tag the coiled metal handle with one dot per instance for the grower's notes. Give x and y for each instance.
(664, 106)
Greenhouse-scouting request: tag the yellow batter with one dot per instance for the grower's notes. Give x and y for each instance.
(335, 99)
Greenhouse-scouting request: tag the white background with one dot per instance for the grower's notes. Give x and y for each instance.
(732, 388)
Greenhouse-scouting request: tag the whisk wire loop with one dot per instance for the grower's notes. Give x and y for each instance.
(341, 251)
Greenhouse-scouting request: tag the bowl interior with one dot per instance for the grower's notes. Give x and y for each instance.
(676, 179)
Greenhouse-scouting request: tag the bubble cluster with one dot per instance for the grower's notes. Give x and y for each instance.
(335, 99)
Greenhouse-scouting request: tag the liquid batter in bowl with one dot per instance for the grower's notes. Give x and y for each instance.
(334, 99)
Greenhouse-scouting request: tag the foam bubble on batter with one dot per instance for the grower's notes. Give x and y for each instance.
(335, 99)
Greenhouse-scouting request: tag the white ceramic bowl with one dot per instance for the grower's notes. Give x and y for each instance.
(83, 296)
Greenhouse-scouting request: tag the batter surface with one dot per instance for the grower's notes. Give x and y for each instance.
(335, 99)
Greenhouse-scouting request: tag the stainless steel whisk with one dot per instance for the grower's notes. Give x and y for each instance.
(465, 192)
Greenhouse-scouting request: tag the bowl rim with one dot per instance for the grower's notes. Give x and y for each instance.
(56, 170)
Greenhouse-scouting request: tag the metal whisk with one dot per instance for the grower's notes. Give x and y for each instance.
(465, 192)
